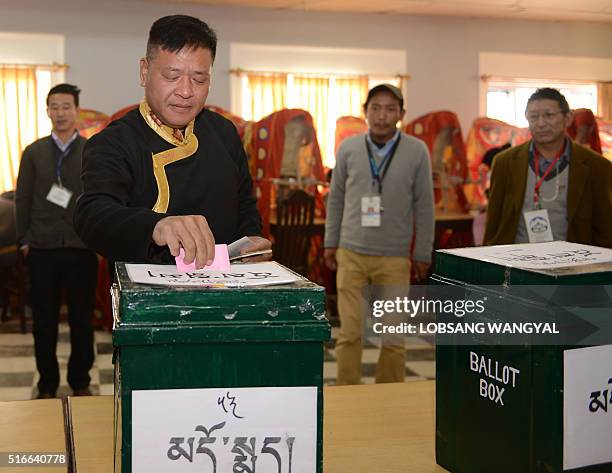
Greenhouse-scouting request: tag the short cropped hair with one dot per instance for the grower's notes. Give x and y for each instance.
(548, 93)
(175, 32)
(65, 89)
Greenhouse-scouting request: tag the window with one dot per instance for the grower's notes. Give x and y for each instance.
(326, 82)
(18, 119)
(23, 114)
(27, 72)
(326, 97)
(507, 100)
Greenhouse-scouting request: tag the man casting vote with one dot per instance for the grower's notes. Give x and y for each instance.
(169, 174)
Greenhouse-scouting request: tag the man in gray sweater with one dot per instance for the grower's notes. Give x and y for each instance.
(381, 195)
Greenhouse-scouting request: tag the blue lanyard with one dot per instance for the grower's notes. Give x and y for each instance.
(379, 172)
(58, 168)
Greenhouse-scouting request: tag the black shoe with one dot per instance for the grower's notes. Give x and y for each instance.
(81, 392)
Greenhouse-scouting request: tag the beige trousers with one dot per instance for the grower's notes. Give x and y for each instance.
(355, 272)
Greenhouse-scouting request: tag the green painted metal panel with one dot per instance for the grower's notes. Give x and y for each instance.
(183, 338)
(475, 434)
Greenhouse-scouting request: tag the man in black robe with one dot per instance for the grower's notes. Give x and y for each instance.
(169, 174)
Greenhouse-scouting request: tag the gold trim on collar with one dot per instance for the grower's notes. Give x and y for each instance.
(184, 148)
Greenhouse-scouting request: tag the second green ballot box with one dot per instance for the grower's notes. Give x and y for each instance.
(520, 403)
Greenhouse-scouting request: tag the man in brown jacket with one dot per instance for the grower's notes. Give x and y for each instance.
(550, 188)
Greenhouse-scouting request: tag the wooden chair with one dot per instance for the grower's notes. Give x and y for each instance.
(293, 229)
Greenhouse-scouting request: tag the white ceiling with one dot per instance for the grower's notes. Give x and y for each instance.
(548, 10)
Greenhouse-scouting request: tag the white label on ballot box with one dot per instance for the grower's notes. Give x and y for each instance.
(239, 275)
(272, 429)
(587, 407)
(550, 255)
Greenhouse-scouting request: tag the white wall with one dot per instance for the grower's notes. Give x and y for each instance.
(259, 57)
(105, 39)
(19, 48)
(533, 66)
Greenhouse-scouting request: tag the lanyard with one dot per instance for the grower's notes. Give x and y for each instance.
(540, 181)
(58, 167)
(379, 172)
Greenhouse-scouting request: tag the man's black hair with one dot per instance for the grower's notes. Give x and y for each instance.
(175, 32)
(547, 93)
(65, 89)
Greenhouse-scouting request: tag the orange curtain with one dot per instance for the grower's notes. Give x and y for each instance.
(263, 95)
(325, 98)
(604, 100)
(18, 119)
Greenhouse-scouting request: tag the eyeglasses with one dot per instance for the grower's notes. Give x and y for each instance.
(548, 117)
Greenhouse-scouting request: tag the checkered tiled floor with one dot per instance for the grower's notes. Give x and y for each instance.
(18, 376)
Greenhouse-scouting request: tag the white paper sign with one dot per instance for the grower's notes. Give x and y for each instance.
(240, 275)
(272, 429)
(554, 254)
(587, 407)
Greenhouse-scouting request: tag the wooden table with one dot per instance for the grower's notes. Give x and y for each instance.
(92, 420)
(382, 428)
(32, 426)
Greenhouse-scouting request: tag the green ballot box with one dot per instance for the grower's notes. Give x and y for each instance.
(520, 400)
(218, 378)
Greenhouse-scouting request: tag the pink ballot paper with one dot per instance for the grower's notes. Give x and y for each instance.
(220, 263)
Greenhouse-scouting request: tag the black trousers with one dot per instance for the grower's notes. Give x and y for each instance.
(51, 271)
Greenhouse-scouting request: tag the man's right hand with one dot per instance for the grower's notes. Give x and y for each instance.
(192, 233)
(330, 258)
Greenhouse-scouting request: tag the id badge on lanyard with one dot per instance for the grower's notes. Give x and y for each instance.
(58, 194)
(537, 222)
(538, 226)
(371, 210)
(371, 204)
